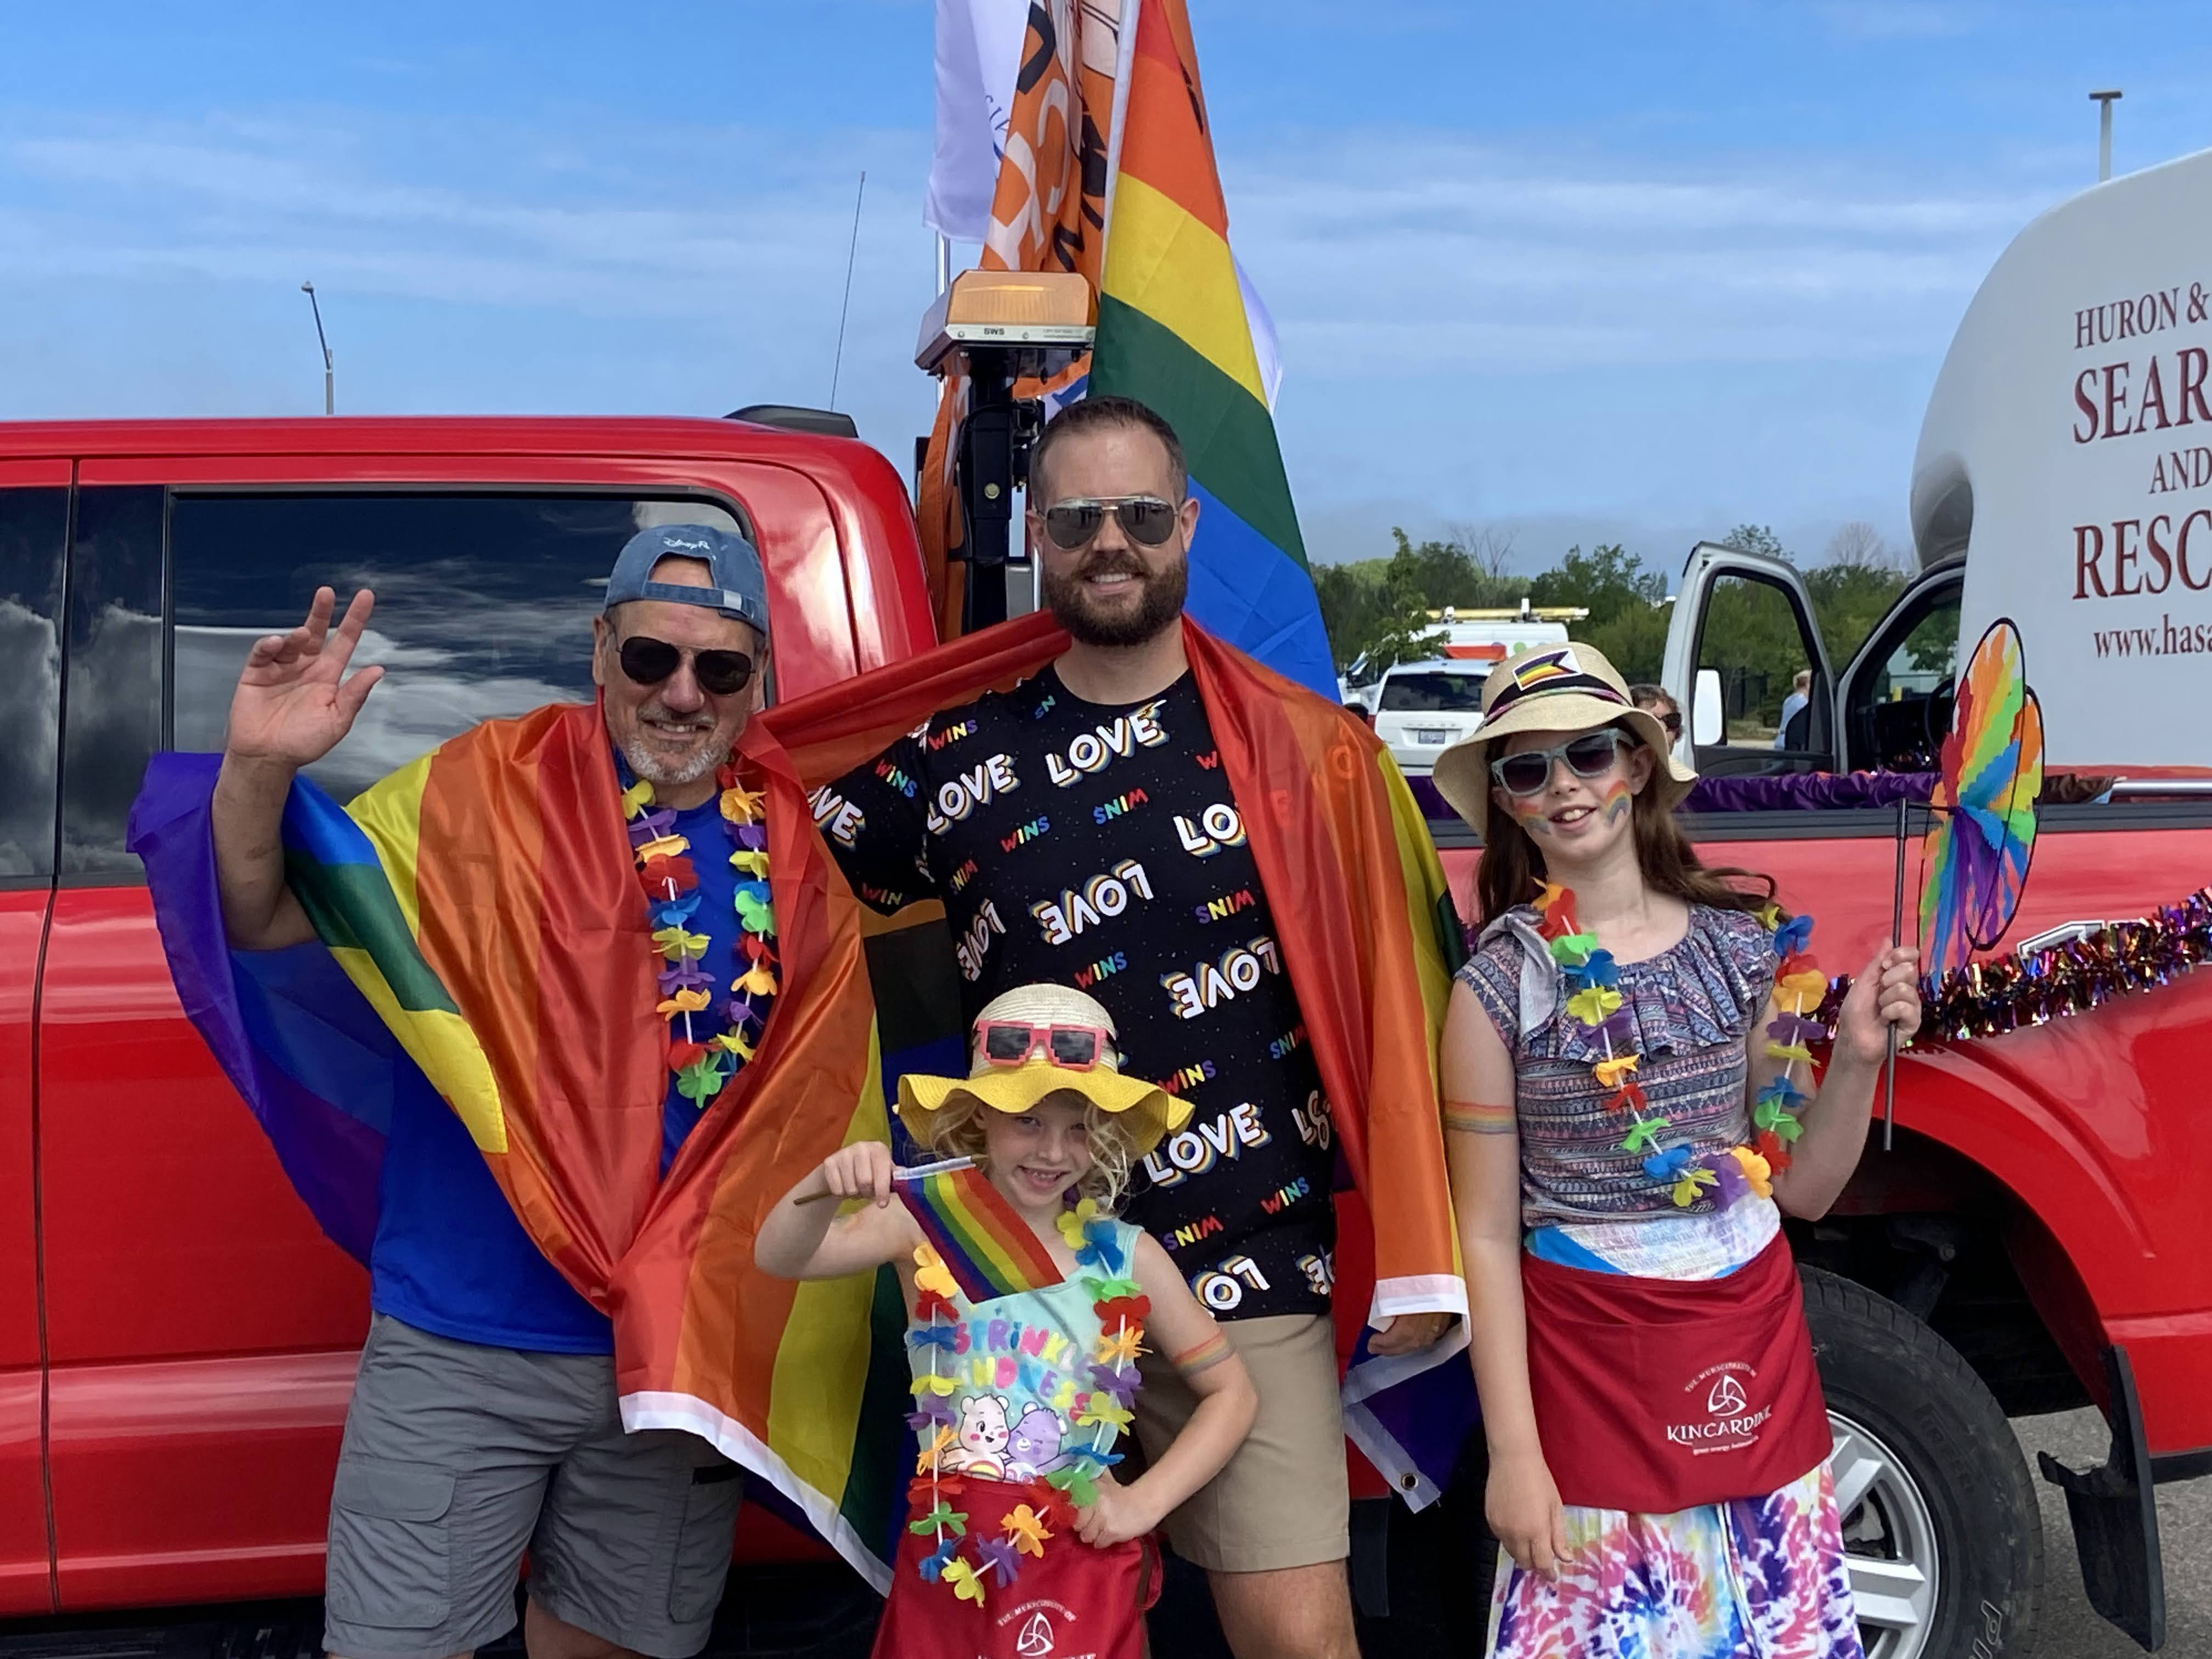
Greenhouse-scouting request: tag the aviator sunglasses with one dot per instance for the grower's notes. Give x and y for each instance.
(1146, 519)
(1077, 1047)
(1589, 755)
(649, 661)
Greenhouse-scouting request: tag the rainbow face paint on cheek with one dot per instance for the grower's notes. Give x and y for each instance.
(1618, 798)
(1529, 814)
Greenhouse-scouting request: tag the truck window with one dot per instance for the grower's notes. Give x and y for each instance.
(484, 604)
(1898, 700)
(112, 674)
(34, 525)
(1430, 693)
(1755, 640)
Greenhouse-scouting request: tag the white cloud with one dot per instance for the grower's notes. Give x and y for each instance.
(1529, 301)
(1440, 255)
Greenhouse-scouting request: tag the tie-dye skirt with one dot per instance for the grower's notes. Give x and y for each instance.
(1755, 1578)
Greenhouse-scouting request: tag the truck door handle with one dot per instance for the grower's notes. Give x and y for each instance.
(2065, 933)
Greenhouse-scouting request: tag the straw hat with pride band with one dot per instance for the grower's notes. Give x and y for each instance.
(1550, 688)
(1034, 1039)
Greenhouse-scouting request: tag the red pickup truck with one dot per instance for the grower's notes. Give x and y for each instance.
(177, 1342)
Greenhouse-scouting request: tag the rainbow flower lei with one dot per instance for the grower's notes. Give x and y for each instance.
(1051, 1502)
(1594, 1001)
(704, 1065)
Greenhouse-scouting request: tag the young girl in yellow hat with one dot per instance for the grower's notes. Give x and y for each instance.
(1028, 1303)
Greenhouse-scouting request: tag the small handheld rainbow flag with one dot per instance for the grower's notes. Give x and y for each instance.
(990, 1250)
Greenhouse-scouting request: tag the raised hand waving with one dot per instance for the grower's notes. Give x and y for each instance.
(294, 701)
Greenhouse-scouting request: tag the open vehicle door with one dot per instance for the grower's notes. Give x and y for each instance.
(1741, 632)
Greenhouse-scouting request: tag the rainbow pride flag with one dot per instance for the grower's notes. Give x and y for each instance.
(1173, 334)
(990, 1249)
(486, 941)
(1340, 842)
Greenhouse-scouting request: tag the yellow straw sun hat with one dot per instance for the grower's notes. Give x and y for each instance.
(1551, 688)
(1044, 1023)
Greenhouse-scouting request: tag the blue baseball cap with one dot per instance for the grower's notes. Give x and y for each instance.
(739, 589)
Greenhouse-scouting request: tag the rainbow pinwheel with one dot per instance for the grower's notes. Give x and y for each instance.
(1982, 830)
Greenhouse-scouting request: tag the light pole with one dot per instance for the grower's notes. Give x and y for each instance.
(2104, 102)
(329, 388)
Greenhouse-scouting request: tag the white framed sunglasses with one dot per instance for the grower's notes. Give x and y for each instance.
(1589, 755)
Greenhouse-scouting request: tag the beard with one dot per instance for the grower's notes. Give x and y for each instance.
(666, 771)
(1158, 609)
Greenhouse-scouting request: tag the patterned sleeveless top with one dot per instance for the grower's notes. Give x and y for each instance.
(1691, 1003)
(1021, 1388)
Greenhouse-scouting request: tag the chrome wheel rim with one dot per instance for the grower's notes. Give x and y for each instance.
(1889, 1542)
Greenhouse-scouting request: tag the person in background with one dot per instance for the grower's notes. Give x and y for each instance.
(1800, 698)
(1656, 702)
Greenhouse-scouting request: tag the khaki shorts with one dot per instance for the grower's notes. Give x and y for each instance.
(1283, 1500)
(459, 1457)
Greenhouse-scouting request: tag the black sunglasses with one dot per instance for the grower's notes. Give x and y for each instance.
(1589, 755)
(648, 661)
(1672, 722)
(1146, 519)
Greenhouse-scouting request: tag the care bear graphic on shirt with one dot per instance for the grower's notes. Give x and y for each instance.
(983, 1434)
(1034, 1447)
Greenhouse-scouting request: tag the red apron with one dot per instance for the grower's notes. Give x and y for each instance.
(1658, 1394)
(1075, 1602)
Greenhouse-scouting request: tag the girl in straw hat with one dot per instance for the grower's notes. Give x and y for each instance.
(1028, 1303)
(1627, 1072)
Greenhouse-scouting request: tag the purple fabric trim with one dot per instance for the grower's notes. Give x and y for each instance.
(1810, 790)
(241, 1002)
(1757, 794)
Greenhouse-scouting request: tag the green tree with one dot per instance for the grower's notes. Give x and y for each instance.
(1447, 574)
(1378, 608)
(1757, 539)
(1626, 604)
(1403, 631)
(1350, 598)
(1848, 600)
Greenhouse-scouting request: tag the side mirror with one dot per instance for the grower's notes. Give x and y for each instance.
(1705, 708)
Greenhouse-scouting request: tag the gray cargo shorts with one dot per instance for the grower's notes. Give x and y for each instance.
(459, 1457)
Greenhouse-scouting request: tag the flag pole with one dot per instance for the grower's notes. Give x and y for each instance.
(845, 307)
(1896, 937)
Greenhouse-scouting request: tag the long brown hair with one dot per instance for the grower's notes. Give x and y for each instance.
(1512, 865)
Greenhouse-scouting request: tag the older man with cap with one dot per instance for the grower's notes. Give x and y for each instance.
(484, 1422)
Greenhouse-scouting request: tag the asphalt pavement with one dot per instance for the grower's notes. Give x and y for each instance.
(2069, 1628)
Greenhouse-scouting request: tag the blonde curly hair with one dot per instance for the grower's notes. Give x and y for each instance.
(956, 1130)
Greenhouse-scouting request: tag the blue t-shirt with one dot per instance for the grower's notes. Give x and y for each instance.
(450, 1257)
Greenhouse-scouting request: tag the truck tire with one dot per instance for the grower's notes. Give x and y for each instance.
(1939, 1514)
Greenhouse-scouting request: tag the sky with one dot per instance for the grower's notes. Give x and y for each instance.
(1573, 271)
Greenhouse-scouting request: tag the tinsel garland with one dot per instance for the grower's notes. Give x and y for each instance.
(2033, 988)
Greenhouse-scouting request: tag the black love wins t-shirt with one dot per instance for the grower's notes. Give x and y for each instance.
(1100, 847)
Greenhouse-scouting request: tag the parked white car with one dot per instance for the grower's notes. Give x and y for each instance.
(1422, 708)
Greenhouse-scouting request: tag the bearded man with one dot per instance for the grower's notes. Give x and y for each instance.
(1082, 828)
